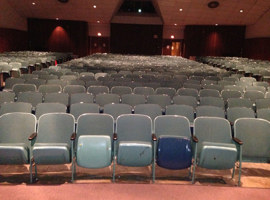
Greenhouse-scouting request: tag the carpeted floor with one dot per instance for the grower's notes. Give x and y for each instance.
(254, 175)
(130, 192)
(134, 183)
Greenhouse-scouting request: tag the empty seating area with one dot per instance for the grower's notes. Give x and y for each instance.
(133, 111)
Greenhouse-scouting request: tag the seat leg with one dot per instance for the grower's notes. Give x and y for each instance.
(240, 166)
(73, 169)
(113, 175)
(31, 170)
(233, 173)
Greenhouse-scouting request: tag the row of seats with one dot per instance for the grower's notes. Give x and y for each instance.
(185, 96)
(134, 142)
(151, 110)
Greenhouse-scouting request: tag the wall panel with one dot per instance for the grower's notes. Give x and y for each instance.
(61, 35)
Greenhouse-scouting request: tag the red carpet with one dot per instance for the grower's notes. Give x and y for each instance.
(129, 192)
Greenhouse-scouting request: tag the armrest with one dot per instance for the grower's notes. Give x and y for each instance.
(194, 138)
(73, 136)
(154, 137)
(237, 141)
(32, 136)
(115, 136)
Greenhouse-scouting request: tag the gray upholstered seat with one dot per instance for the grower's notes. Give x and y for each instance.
(255, 135)
(52, 144)
(215, 148)
(93, 147)
(133, 144)
(15, 128)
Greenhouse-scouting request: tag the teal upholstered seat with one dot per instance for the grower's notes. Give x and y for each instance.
(15, 128)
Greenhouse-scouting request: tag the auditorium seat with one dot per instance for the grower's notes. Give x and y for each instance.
(15, 129)
(174, 149)
(93, 147)
(215, 148)
(51, 144)
(133, 142)
(255, 137)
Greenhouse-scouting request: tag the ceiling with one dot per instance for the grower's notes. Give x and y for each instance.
(195, 12)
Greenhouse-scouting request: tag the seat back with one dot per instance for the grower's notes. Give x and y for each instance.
(161, 99)
(103, 99)
(71, 89)
(235, 113)
(15, 107)
(78, 109)
(144, 90)
(210, 111)
(81, 98)
(97, 89)
(17, 127)
(185, 100)
(183, 110)
(172, 125)
(133, 127)
(6, 97)
(44, 108)
(117, 109)
(62, 98)
(151, 110)
(44, 89)
(33, 98)
(55, 128)
(121, 90)
(133, 99)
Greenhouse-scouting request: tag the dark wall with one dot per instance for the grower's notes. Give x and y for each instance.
(136, 39)
(99, 44)
(12, 40)
(214, 40)
(58, 35)
(257, 48)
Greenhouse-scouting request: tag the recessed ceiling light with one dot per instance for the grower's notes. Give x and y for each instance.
(139, 10)
(181, 9)
(175, 24)
(172, 36)
(98, 21)
(241, 11)
(57, 18)
(99, 34)
(33, 3)
(94, 6)
(216, 24)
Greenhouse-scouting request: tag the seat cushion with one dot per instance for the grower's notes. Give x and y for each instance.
(94, 151)
(51, 153)
(174, 152)
(14, 153)
(217, 155)
(134, 154)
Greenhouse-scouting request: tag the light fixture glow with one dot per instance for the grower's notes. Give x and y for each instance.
(94, 6)
(175, 24)
(172, 36)
(98, 21)
(139, 10)
(181, 9)
(99, 34)
(241, 11)
(33, 3)
(57, 18)
(216, 24)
